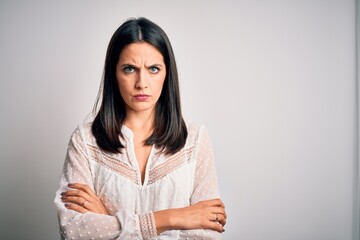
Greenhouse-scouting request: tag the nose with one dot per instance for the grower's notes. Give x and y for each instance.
(141, 82)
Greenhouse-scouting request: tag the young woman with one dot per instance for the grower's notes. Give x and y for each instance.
(138, 171)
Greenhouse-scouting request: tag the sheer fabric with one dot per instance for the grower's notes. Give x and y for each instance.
(171, 181)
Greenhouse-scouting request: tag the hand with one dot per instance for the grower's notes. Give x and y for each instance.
(209, 214)
(82, 199)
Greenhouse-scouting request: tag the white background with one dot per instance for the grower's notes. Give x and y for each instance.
(273, 81)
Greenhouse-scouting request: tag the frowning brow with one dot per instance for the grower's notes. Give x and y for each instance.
(147, 66)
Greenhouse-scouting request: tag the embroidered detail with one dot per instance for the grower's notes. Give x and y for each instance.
(147, 225)
(113, 164)
(155, 158)
(170, 165)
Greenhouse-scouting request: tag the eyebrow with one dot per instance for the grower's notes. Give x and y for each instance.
(132, 65)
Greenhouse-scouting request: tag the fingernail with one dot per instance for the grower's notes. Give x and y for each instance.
(71, 184)
(67, 205)
(63, 193)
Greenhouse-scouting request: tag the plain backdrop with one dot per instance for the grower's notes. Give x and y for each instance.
(274, 82)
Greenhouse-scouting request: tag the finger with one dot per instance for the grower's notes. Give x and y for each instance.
(217, 216)
(214, 202)
(77, 193)
(218, 202)
(93, 203)
(77, 200)
(218, 210)
(82, 187)
(215, 226)
(221, 219)
(87, 205)
(76, 208)
(79, 197)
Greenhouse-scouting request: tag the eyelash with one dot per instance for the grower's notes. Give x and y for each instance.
(156, 69)
(130, 69)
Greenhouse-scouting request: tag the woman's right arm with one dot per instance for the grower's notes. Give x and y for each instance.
(75, 225)
(78, 223)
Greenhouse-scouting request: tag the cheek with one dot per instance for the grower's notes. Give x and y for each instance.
(160, 83)
(158, 88)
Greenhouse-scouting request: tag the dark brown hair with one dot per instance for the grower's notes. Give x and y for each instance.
(170, 131)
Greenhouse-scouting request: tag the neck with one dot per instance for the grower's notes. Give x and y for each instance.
(140, 121)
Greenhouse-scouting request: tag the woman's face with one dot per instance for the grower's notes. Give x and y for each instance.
(140, 74)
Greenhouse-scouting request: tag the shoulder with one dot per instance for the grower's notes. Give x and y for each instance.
(83, 133)
(196, 134)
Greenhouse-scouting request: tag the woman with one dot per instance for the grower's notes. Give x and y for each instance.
(138, 171)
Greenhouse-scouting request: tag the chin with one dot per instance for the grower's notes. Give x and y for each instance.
(142, 107)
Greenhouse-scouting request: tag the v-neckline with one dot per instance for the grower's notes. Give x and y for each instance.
(129, 135)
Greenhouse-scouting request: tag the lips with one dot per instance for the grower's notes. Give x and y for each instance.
(141, 97)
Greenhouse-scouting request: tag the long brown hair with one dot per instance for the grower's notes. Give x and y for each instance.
(170, 131)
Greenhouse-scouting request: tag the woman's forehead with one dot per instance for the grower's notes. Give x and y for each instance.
(140, 52)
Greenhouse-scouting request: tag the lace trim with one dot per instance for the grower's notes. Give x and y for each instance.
(113, 164)
(147, 225)
(170, 165)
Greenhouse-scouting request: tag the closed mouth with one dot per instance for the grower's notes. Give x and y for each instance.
(141, 95)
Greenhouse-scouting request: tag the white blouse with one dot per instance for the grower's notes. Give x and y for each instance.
(171, 181)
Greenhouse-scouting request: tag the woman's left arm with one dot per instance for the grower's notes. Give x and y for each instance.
(205, 187)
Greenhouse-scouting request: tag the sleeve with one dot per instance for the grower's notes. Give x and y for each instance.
(75, 225)
(205, 183)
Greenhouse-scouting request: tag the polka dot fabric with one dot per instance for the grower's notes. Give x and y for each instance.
(180, 180)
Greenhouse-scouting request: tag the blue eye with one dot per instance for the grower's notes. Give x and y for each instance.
(129, 69)
(154, 69)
